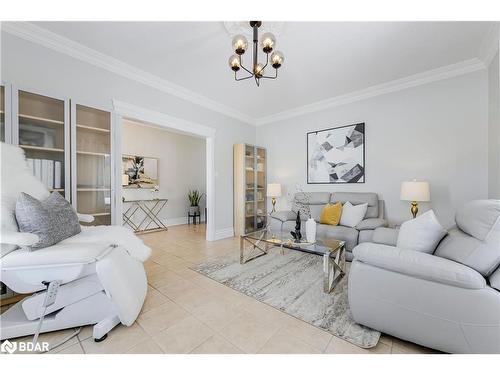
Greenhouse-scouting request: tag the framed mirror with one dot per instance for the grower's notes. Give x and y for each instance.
(139, 172)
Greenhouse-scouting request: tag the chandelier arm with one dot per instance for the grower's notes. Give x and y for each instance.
(242, 79)
(241, 65)
(267, 61)
(275, 75)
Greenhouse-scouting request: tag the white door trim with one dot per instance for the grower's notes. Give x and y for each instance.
(160, 119)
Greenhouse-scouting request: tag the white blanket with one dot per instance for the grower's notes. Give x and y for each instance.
(113, 234)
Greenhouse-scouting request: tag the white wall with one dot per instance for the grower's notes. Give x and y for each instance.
(32, 66)
(494, 130)
(436, 132)
(181, 167)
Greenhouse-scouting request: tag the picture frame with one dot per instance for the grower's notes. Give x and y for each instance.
(336, 155)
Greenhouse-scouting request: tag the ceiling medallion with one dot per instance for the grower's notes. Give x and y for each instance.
(267, 44)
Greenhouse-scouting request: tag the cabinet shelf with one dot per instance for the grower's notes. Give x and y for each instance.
(39, 148)
(51, 190)
(93, 189)
(41, 119)
(92, 128)
(100, 214)
(92, 153)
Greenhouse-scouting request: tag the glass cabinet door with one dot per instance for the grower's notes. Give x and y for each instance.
(93, 163)
(2, 113)
(260, 188)
(42, 133)
(249, 189)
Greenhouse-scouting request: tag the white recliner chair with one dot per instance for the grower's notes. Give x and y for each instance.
(449, 300)
(95, 277)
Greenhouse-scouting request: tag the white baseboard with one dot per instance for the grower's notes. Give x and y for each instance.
(175, 221)
(224, 233)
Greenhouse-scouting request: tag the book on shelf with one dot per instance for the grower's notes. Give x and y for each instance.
(57, 175)
(49, 172)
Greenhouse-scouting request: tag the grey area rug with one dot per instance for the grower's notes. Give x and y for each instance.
(293, 283)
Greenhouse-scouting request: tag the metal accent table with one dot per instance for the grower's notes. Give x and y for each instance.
(332, 251)
(151, 209)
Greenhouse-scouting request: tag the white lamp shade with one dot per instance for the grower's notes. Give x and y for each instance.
(274, 190)
(417, 191)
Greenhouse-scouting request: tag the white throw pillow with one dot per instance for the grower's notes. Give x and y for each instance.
(352, 215)
(421, 234)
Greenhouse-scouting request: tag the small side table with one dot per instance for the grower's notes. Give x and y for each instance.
(150, 220)
(194, 216)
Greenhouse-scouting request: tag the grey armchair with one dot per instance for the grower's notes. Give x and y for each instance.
(449, 300)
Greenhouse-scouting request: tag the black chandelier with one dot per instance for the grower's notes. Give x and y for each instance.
(267, 43)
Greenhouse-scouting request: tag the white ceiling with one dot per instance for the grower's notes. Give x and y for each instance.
(322, 60)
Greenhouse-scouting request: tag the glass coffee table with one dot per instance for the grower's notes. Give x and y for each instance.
(256, 244)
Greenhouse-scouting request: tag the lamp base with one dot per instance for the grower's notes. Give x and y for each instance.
(414, 209)
(273, 201)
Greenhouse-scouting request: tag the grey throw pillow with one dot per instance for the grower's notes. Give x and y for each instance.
(52, 219)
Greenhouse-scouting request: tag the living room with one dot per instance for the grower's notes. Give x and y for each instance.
(234, 187)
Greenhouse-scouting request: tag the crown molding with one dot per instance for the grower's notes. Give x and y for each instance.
(46, 38)
(448, 71)
(489, 46)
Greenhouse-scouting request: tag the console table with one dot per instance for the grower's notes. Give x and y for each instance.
(150, 208)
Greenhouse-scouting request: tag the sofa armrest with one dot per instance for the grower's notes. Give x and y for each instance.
(419, 265)
(385, 236)
(85, 218)
(371, 223)
(18, 238)
(284, 216)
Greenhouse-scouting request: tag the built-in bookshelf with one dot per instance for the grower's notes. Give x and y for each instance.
(42, 133)
(250, 173)
(92, 180)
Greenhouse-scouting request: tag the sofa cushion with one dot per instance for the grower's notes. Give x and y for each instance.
(330, 214)
(338, 232)
(359, 198)
(494, 279)
(52, 219)
(419, 265)
(313, 201)
(481, 250)
(371, 223)
(352, 215)
(477, 218)
(462, 248)
(385, 236)
(421, 234)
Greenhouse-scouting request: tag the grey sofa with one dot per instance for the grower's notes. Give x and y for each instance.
(374, 218)
(449, 300)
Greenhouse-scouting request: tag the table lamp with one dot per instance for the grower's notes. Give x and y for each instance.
(415, 191)
(274, 191)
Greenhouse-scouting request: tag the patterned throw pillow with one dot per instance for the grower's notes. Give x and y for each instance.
(52, 219)
(331, 214)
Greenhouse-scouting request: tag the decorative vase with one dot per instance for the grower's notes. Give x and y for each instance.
(311, 230)
(194, 210)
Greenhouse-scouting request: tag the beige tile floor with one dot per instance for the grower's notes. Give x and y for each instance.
(185, 312)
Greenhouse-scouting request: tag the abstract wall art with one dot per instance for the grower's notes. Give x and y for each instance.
(336, 155)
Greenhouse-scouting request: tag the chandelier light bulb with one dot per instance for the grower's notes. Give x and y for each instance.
(267, 42)
(258, 70)
(240, 44)
(277, 59)
(234, 63)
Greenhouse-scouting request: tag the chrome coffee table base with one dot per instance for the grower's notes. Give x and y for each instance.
(257, 244)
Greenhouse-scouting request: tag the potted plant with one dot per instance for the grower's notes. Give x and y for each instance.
(194, 197)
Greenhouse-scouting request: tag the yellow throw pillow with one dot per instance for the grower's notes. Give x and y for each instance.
(331, 214)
